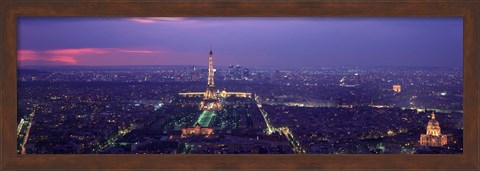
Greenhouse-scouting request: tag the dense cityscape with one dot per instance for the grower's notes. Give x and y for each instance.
(261, 110)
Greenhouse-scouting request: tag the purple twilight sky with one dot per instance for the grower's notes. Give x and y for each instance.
(257, 41)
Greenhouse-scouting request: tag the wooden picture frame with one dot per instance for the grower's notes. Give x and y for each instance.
(10, 10)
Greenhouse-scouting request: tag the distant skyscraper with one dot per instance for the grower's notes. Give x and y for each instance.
(357, 78)
(433, 137)
(245, 74)
(237, 73)
(229, 75)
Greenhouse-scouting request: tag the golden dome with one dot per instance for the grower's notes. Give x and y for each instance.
(433, 127)
(433, 121)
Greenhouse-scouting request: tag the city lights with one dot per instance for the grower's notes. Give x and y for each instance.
(284, 85)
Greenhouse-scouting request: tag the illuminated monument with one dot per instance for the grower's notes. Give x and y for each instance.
(209, 104)
(397, 88)
(433, 137)
(210, 100)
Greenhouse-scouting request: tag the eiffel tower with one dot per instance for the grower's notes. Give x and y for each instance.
(210, 100)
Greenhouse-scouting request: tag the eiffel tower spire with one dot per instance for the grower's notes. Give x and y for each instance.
(210, 100)
(210, 69)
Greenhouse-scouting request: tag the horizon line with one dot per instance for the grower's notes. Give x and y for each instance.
(206, 66)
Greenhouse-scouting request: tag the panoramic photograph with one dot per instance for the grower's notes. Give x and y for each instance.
(240, 85)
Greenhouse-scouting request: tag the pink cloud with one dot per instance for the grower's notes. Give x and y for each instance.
(140, 51)
(64, 59)
(155, 19)
(77, 51)
(74, 56)
(27, 55)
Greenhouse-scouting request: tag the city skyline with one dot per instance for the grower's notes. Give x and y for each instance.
(364, 115)
(138, 86)
(261, 41)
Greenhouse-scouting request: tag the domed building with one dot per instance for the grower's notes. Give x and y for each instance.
(433, 137)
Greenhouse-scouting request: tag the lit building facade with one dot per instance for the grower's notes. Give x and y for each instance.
(397, 88)
(433, 137)
(196, 130)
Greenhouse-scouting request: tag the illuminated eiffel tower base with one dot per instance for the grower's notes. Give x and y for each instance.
(210, 100)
